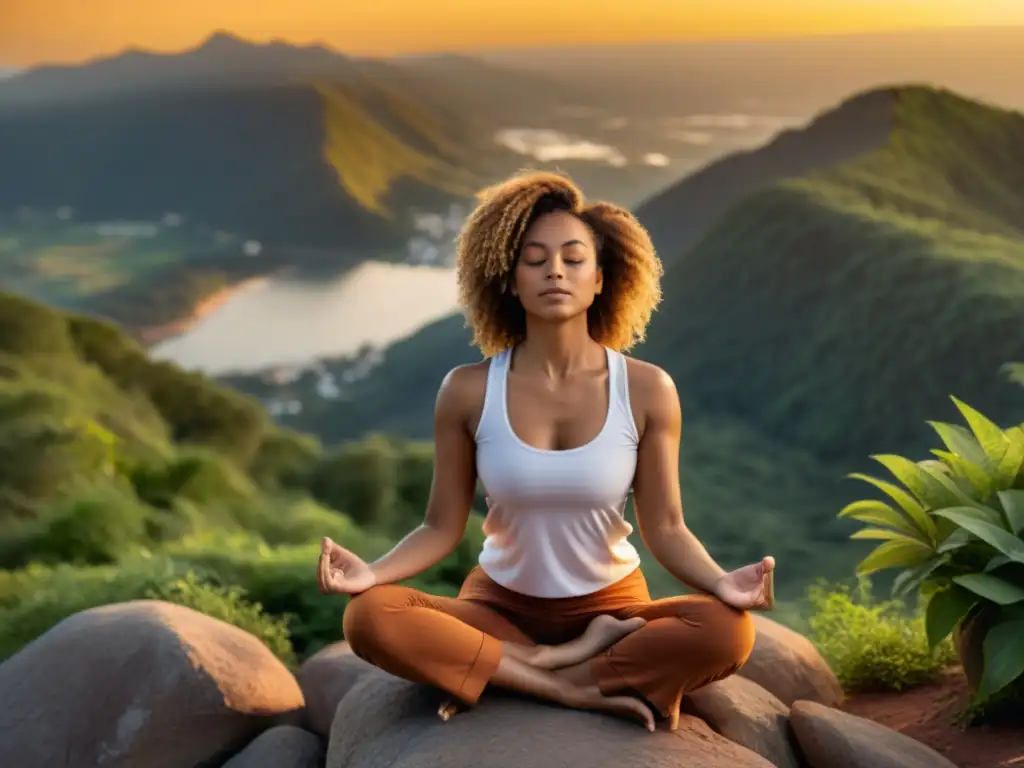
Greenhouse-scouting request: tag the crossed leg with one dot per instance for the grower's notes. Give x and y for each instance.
(461, 646)
(686, 643)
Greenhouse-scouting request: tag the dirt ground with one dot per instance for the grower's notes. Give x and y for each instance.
(928, 714)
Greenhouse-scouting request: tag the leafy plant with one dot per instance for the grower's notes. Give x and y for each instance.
(870, 644)
(229, 604)
(955, 530)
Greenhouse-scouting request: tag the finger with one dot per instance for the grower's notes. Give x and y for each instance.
(325, 574)
(320, 581)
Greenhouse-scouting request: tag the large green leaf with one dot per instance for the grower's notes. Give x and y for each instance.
(991, 587)
(1013, 508)
(908, 504)
(912, 578)
(1003, 652)
(945, 609)
(997, 562)
(961, 442)
(957, 492)
(989, 435)
(906, 553)
(874, 512)
(994, 535)
(1011, 464)
(957, 539)
(929, 492)
(981, 480)
(883, 533)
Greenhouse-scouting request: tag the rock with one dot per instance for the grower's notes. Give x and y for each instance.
(386, 721)
(786, 664)
(139, 683)
(747, 714)
(830, 738)
(282, 747)
(325, 677)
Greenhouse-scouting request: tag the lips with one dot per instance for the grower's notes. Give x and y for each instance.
(555, 292)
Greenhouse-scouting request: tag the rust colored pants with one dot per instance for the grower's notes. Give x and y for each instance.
(455, 643)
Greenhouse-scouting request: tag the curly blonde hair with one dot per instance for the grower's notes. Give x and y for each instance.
(488, 246)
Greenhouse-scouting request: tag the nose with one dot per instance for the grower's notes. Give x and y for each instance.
(556, 266)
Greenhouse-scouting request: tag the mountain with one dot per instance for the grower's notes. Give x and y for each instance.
(680, 215)
(220, 60)
(316, 160)
(830, 310)
(838, 310)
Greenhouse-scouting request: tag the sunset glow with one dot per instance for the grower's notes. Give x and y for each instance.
(38, 31)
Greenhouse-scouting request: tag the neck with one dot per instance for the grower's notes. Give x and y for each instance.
(558, 349)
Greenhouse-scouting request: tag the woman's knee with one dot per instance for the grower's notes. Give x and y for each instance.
(369, 618)
(735, 630)
(725, 634)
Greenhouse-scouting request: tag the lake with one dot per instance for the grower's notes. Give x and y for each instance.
(281, 321)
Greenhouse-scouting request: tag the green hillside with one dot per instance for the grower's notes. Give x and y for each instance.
(121, 477)
(827, 316)
(837, 310)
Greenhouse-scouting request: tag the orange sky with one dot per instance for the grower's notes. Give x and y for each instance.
(35, 31)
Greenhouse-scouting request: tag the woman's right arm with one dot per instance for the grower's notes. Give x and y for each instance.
(452, 487)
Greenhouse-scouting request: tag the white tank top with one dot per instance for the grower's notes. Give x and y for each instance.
(555, 527)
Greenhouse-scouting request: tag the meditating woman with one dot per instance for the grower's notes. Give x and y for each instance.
(559, 426)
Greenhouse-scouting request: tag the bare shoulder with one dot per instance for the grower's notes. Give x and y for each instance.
(653, 395)
(461, 394)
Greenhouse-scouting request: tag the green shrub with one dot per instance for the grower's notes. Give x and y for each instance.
(229, 605)
(361, 479)
(284, 460)
(956, 534)
(28, 327)
(870, 645)
(34, 600)
(98, 525)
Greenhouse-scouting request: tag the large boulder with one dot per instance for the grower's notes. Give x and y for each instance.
(139, 683)
(830, 738)
(786, 664)
(386, 721)
(745, 713)
(283, 746)
(325, 677)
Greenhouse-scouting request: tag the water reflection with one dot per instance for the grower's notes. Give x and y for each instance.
(286, 322)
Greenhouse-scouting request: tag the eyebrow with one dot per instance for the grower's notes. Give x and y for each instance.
(574, 241)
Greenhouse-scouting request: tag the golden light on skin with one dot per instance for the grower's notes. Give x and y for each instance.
(37, 31)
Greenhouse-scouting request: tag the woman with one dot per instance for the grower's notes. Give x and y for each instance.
(559, 426)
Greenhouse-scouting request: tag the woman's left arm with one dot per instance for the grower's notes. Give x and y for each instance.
(656, 496)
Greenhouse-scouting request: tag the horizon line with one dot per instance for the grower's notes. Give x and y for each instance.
(9, 69)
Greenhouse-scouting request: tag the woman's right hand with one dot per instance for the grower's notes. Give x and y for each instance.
(342, 572)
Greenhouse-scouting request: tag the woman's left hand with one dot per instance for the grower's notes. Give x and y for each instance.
(749, 588)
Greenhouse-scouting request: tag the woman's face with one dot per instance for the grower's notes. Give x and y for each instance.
(557, 275)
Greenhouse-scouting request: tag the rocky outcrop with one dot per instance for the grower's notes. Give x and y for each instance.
(142, 683)
(283, 746)
(325, 677)
(787, 665)
(834, 739)
(148, 684)
(386, 721)
(746, 714)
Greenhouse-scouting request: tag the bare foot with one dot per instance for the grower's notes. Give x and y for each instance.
(602, 632)
(623, 706)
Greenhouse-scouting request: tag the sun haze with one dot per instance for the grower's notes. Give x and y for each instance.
(42, 31)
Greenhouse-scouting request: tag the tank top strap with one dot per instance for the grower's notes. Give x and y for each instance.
(618, 373)
(492, 413)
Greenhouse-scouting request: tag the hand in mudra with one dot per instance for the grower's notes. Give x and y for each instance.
(342, 572)
(750, 588)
